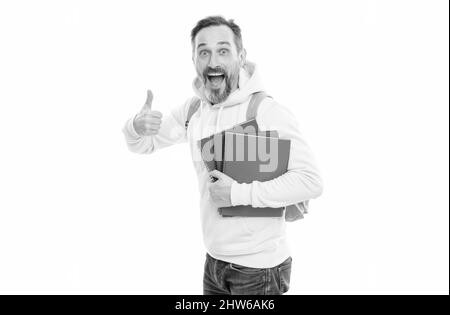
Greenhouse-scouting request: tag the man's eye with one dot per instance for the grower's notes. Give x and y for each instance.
(223, 51)
(204, 53)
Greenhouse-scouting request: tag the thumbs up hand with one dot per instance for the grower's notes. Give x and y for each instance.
(148, 121)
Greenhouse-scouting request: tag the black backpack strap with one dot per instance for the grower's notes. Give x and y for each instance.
(254, 103)
(192, 109)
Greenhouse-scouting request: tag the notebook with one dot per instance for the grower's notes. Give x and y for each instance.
(213, 145)
(243, 163)
(219, 142)
(206, 146)
(249, 126)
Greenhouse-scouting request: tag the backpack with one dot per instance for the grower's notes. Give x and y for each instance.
(293, 212)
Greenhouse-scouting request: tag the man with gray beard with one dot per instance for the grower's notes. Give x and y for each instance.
(245, 255)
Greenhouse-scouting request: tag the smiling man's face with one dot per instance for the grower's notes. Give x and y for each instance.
(217, 61)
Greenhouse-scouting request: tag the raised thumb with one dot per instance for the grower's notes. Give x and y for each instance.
(148, 102)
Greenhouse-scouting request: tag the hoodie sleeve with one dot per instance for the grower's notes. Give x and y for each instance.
(301, 182)
(172, 131)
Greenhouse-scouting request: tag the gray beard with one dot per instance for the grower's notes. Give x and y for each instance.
(216, 96)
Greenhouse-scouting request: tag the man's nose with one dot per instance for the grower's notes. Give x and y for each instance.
(213, 61)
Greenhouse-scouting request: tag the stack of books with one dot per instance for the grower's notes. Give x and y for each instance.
(247, 154)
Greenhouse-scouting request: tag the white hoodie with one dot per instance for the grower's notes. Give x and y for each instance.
(247, 241)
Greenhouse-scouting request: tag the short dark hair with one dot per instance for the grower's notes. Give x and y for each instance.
(218, 20)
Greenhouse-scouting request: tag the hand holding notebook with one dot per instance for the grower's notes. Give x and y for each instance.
(251, 158)
(241, 153)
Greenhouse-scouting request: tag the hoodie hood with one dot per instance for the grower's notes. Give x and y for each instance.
(249, 82)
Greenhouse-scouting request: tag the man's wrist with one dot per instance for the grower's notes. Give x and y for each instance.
(241, 194)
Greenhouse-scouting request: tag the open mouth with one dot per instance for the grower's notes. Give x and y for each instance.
(216, 79)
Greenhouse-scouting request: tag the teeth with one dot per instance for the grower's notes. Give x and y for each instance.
(215, 74)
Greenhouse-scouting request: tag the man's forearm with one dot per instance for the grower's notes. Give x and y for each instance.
(287, 189)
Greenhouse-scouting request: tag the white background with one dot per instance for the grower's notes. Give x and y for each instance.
(367, 81)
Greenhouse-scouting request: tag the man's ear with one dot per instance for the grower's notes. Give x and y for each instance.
(242, 57)
(193, 55)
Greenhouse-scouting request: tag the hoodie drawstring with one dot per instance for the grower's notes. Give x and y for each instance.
(218, 119)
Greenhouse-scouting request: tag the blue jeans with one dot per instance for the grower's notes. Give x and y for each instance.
(223, 278)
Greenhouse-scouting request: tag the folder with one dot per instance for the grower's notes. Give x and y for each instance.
(213, 155)
(244, 163)
(219, 142)
(213, 146)
(249, 126)
(206, 146)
